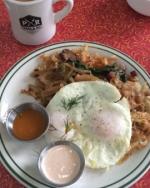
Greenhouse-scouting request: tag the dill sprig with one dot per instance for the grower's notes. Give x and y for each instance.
(70, 103)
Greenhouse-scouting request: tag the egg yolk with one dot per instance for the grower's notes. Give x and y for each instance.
(107, 124)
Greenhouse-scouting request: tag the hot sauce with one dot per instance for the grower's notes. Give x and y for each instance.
(29, 124)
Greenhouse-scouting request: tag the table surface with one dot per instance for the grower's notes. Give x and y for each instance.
(110, 22)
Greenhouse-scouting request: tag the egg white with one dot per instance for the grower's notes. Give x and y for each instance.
(101, 151)
(102, 146)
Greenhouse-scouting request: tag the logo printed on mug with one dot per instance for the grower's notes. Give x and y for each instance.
(30, 23)
(34, 22)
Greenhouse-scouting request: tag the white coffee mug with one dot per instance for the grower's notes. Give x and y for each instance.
(34, 21)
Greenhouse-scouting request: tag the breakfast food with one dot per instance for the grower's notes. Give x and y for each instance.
(132, 99)
(88, 114)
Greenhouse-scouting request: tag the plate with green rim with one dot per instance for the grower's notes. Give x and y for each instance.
(20, 158)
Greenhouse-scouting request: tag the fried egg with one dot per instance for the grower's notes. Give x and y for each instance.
(88, 114)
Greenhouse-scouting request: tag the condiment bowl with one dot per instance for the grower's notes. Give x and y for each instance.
(56, 164)
(31, 127)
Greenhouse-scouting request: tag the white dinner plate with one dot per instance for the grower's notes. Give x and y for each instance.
(20, 158)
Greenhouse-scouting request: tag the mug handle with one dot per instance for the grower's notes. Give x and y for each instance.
(59, 15)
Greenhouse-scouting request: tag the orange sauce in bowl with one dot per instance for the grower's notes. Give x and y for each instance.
(29, 124)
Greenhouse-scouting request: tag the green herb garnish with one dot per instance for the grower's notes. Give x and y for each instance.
(78, 65)
(67, 128)
(67, 104)
(104, 71)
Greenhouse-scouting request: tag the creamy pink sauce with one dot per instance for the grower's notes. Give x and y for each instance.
(61, 164)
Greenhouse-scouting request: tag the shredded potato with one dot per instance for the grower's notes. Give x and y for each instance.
(60, 69)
